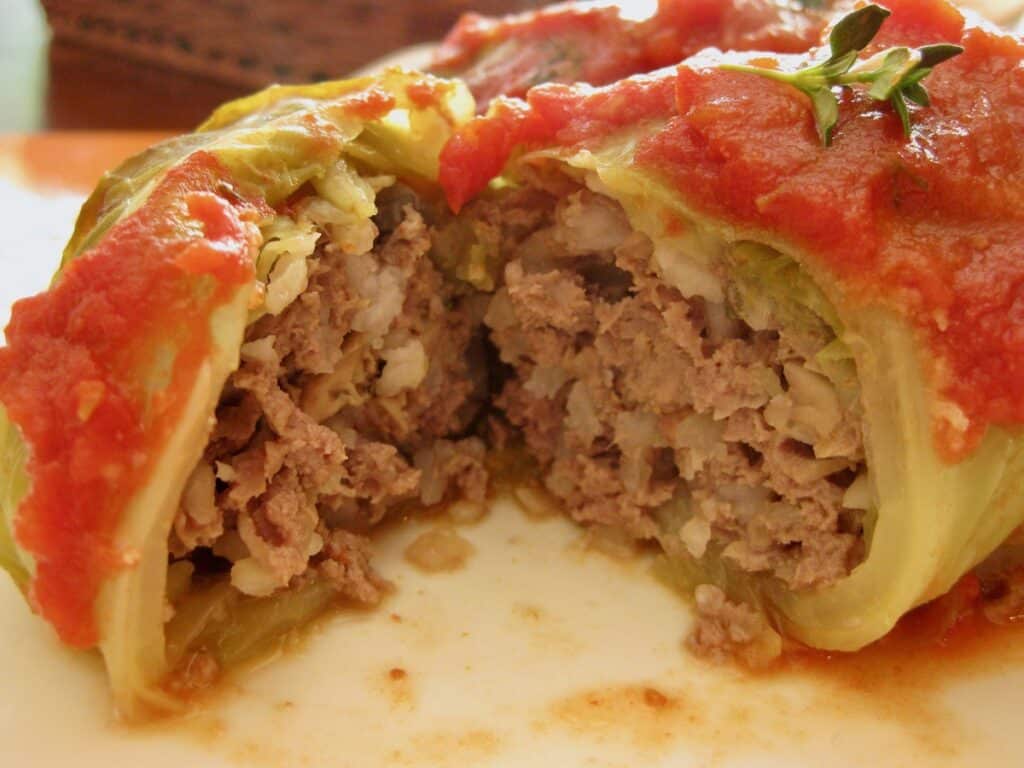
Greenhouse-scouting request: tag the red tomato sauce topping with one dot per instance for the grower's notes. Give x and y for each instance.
(931, 225)
(571, 43)
(426, 93)
(85, 379)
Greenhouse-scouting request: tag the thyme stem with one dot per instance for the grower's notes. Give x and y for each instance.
(893, 75)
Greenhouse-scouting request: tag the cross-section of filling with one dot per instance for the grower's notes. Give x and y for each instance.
(688, 391)
(672, 387)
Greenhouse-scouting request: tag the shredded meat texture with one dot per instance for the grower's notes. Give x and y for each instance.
(345, 563)
(317, 429)
(654, 413)
(453, 464)
(450, 394)
(636, 399)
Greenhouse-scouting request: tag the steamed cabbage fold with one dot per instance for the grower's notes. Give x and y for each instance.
(260, 150)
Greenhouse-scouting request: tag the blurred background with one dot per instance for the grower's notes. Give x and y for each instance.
(164, 64)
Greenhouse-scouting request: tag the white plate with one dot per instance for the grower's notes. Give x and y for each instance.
(538, 652)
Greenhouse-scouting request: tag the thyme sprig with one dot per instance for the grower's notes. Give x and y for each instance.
(893, 75)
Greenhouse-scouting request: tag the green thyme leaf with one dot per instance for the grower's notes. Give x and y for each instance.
(901, 109)
(854, 31)
(837, 66)
(915, 92)
(892, 75)
(916, 76)
(897, 63)
(938, 53)
(826, 113)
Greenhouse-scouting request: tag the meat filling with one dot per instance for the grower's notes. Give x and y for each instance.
(668, 416)
(656, 401)
(353, 400)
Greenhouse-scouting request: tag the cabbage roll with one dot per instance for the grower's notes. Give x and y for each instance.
(247, 360)
(796, 367)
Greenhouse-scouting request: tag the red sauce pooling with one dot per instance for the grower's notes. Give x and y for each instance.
(74, 373)
(932, 225)
(569, 43)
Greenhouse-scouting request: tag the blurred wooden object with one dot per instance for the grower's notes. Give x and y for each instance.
(91, 86)
(88, 89)
(257, 42)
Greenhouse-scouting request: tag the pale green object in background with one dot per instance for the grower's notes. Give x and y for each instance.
(23, 42)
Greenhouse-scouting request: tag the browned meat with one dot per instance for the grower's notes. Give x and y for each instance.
(727, 629)
(450, 390)
(346, 564)
(448, 465)
(638, 401)
(317, 429)
(653, 415)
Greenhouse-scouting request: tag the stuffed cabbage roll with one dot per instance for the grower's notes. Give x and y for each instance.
(797, 367)
(247, 360)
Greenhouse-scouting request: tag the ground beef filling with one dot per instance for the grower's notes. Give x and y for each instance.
(354, 400)
(653, 413)
(650, 413)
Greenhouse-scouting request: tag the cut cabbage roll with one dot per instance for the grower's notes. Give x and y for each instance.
(247, 360)
(601, 43)
(796, 367)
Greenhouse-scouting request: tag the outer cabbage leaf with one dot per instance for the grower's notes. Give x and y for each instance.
(14, 484)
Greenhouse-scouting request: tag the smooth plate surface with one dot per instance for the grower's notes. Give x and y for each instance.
(539, 652)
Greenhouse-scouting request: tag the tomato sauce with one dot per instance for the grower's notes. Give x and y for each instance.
(82, 376)
(426, 93)
(432, 93)
(946, 640)
(570, 43)
(931, 225)
(536, 45)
